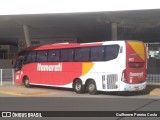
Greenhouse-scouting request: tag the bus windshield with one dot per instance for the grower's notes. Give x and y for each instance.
(18, 63)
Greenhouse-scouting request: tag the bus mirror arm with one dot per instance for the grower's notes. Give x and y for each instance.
(11, 62)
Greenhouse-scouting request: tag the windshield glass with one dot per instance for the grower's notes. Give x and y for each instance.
(18, 64)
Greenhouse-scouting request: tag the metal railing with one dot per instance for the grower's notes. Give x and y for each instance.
(153, 67)
(7, 56)
(6, 75)
(153, 78)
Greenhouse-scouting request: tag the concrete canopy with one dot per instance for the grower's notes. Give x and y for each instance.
(86, 27)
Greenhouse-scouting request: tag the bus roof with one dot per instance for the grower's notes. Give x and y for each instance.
(67, 45)
(59, 46)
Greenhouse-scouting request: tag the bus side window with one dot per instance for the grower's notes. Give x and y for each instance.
(34, 56)
(97, 54)
(42, 56)
(67, 55)
(82, 54)
(30, 57)
(111, 52)
(53, 55)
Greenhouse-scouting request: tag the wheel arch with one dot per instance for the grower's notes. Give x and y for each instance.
(25, 76)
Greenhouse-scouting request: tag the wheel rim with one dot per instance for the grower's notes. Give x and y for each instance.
(78, 87)
(91, 87)
(26, 82)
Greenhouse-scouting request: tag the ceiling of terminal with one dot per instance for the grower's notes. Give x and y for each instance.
(96, 26)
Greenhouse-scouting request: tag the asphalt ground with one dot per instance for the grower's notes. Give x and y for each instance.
(17, 90)
(18, 98)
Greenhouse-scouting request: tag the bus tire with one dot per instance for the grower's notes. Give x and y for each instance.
(91, 87)
(78, 86)
(26, 82)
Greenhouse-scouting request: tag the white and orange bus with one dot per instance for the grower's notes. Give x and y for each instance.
(91, 67)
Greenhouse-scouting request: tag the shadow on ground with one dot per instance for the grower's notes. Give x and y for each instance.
(147, 91)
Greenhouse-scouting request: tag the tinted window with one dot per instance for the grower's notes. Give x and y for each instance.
(41, 56)
(54, 55)
(30, 57)
(111, 52)
(67, 55)
(97, 53)
(82, 54)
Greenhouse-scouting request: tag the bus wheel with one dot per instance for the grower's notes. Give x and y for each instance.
(78, 86)
(91, 87)
(26, 82)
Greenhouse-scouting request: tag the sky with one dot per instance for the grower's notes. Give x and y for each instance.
(13, 7)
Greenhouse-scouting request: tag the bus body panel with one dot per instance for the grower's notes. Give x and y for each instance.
(135, 62)
(107, 74)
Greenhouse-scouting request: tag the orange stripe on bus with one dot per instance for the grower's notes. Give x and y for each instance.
(138, 47)
(86, 67)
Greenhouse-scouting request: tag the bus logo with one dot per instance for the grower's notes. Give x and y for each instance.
(136, 74)
(57, 67)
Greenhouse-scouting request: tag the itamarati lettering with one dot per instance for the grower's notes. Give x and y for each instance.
(43, 67)
(136, 74)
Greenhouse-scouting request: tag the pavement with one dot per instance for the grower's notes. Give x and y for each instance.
(16, 90)
(153, 89)
(20, 90)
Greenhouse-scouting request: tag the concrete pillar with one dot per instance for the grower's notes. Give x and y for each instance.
(27, 35)
(114, 31)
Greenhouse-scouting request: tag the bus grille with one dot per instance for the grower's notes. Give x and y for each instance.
(111, 81)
